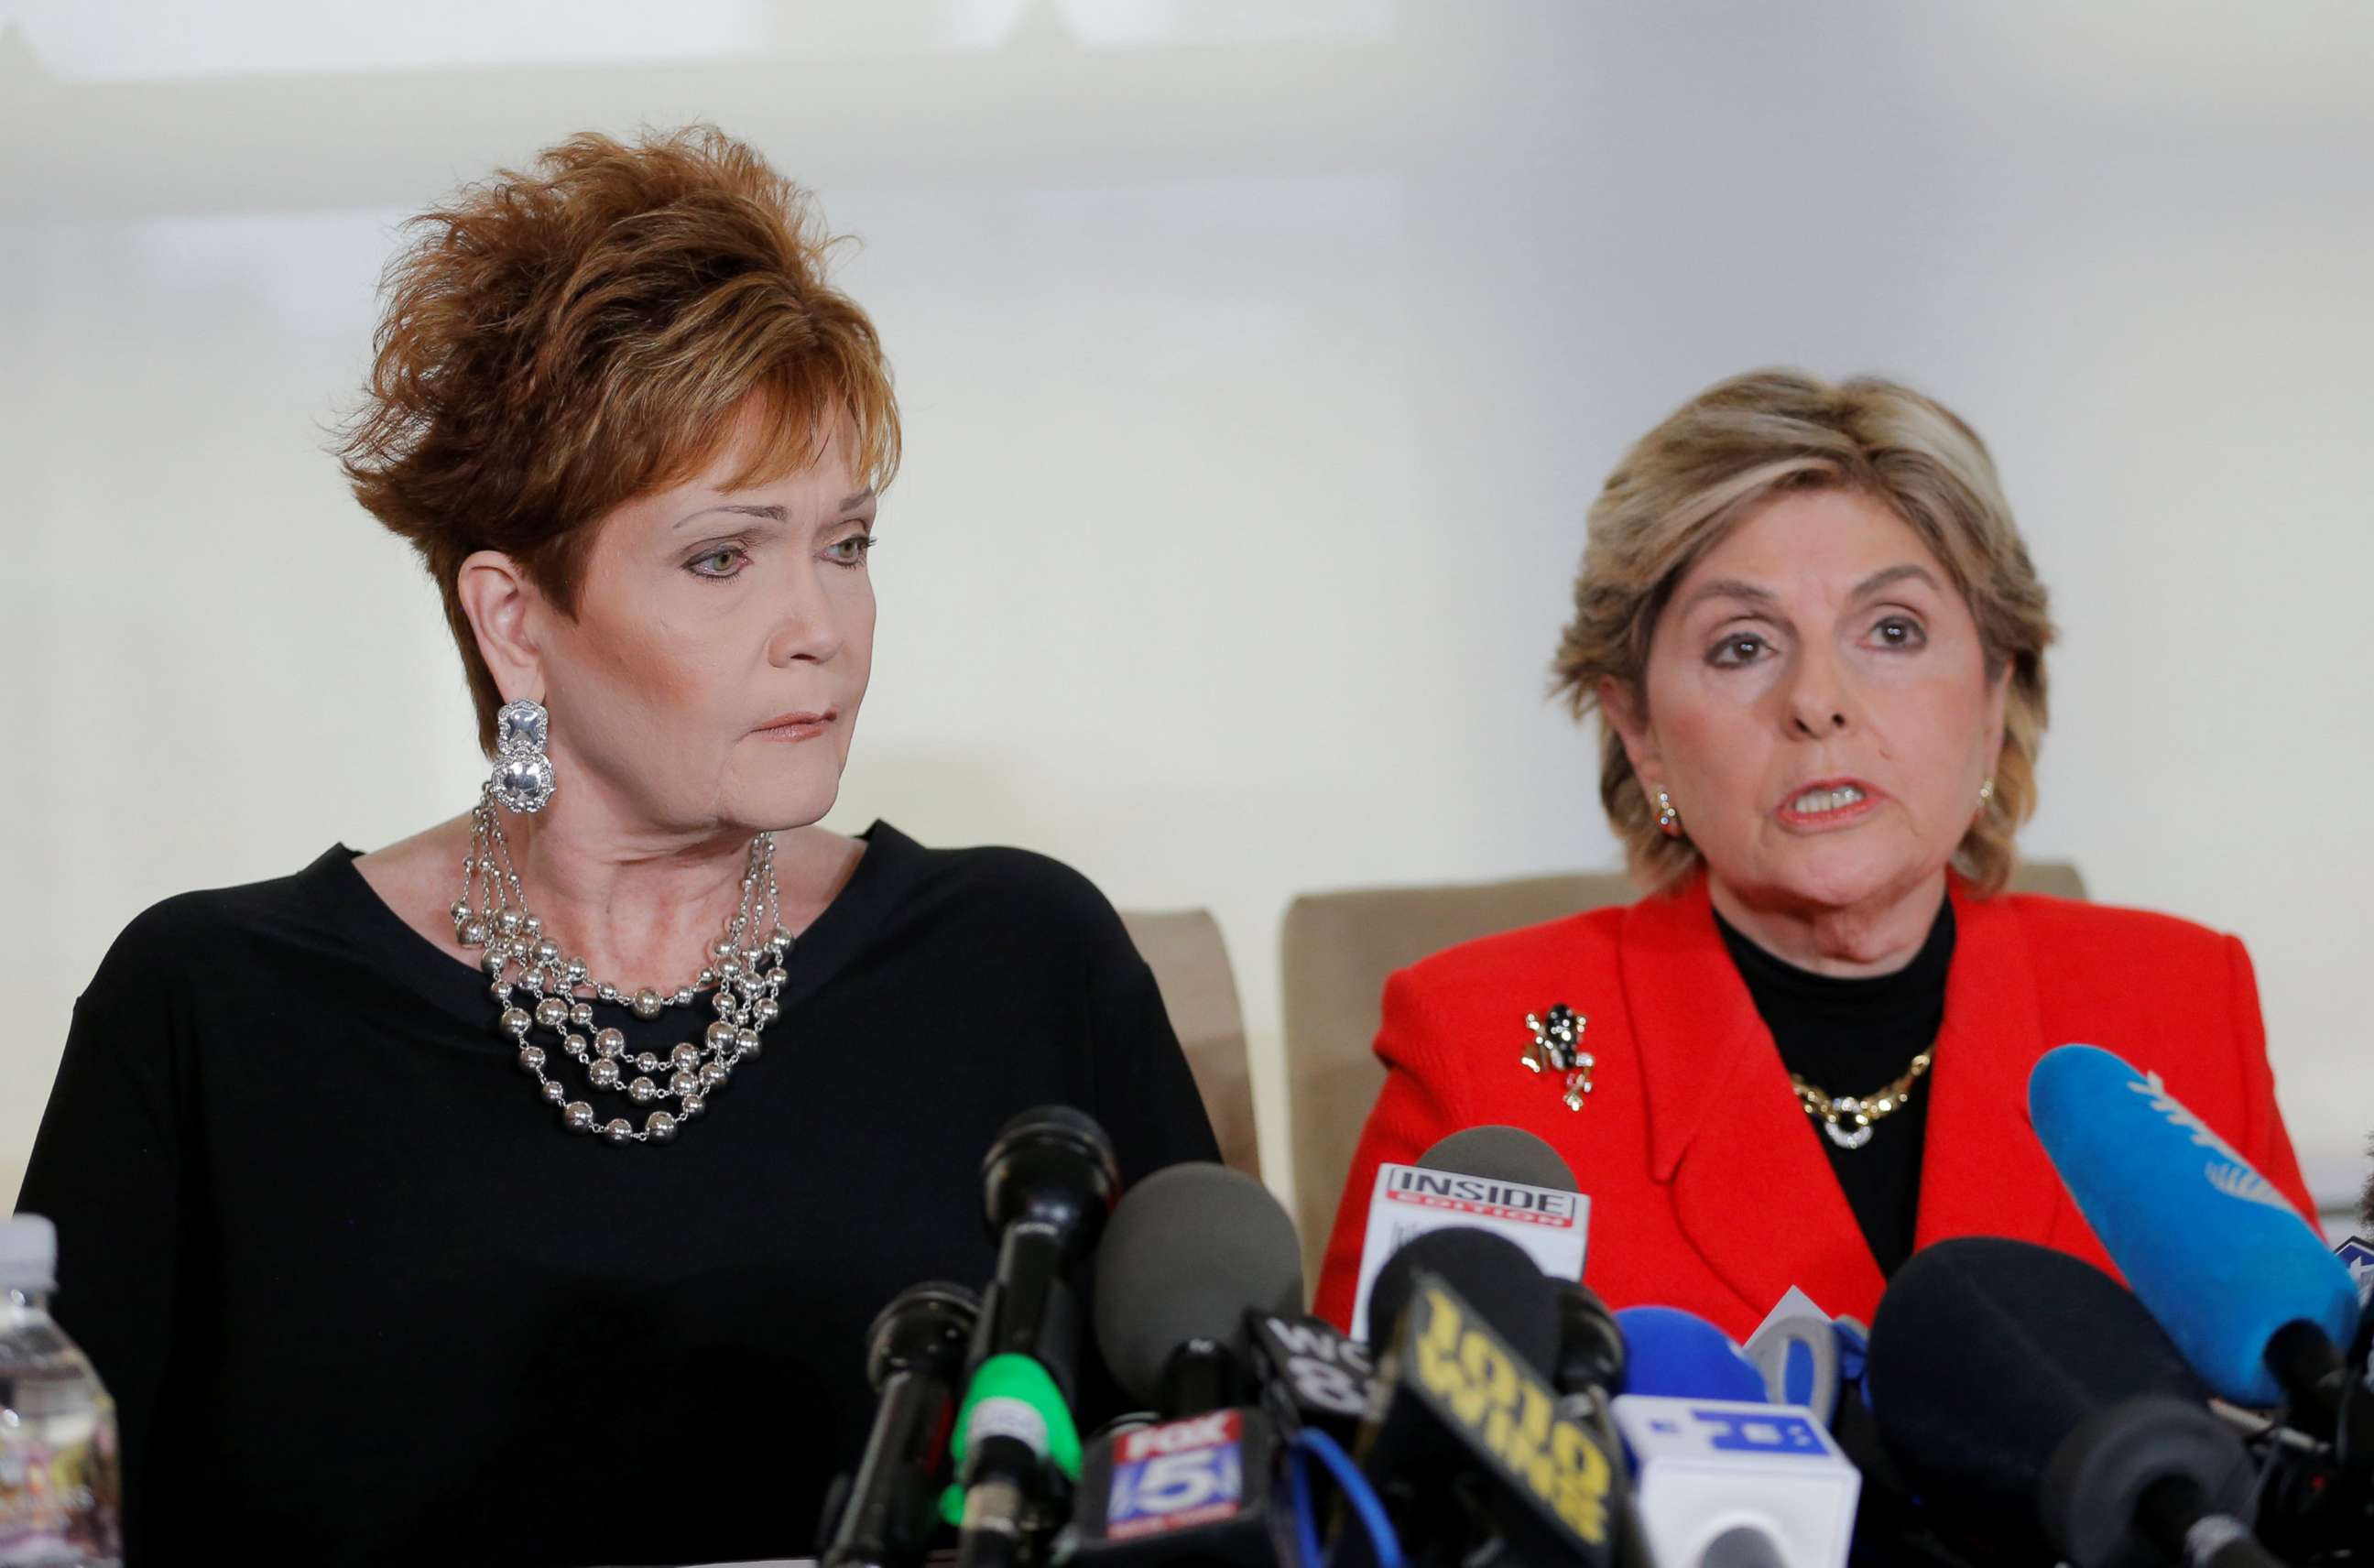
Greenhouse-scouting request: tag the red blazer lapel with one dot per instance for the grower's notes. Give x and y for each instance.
(1983, 1172)
(1752, 1190)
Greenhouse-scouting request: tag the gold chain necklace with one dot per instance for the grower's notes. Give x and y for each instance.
(1848, 1120)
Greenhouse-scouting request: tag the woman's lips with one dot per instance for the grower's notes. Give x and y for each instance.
(802, 725)
(1823, 803)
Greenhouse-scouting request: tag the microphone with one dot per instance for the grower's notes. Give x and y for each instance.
(1743, 1546)
(915, 1355)
(1310, 1374)
(1567, 1335)
(1491, 1178)
(1501, 1154)
(2241, 1283)
(1592, 1356)
(1490, 1270)
(1721, 1474)
(1468, 1448)
(1679, 1354)
(1722, 1481)
(1193, 1252)
(1806, 1357)
(1187, 1255)
(1194, 1491)
(2025, 1388)
(1048, 1182)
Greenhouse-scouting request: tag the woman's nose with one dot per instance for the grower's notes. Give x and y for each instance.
(807, 628)
(1817, 697)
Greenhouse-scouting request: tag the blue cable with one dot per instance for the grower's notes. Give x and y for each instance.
(1306, 1525)
(1384, 1544)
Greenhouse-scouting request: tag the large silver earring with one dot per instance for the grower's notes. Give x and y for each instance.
(522, 780)
(1669, 822)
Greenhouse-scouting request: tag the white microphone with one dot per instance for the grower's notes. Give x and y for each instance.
(1499, 1179)
(1718, 1483)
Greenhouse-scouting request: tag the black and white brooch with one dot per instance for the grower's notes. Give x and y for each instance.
(1557, 1048)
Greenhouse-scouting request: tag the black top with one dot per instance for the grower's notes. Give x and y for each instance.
(1857, 1036)
(360, 1298)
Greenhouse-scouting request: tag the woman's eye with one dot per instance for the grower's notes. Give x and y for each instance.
(850, 551)
(1899, 631)
(1740, 648)
(721, 562)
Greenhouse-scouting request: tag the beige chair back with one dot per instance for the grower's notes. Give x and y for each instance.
(1190, 967)
(1337, 949)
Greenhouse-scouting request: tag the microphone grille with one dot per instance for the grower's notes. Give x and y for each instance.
(1187, 1251)
(1987, 1352)
(1501, 1154)
(1494, 1275)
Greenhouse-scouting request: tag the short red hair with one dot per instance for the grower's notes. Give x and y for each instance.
(561, 341)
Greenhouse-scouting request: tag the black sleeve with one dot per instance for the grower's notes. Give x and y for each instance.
(110, 1169)
(1146, 1098)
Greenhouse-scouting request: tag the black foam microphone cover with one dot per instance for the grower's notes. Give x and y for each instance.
(1590, 1342)
(2002, 1374)
(1054, 1166)
(1495, 1277)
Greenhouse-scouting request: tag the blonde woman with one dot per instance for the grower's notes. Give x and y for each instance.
(1815, 644)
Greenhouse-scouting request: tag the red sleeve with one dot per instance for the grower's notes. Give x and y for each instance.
(1418, 1107)
(2263, 1140)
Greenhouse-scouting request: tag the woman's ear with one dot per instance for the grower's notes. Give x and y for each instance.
(1623, 711)
(501, 604)
(1998, 700)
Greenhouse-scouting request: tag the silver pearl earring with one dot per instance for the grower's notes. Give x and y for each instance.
(522, 780)
(1669, 822)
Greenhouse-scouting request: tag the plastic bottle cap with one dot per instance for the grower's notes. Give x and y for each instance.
(28, 1254)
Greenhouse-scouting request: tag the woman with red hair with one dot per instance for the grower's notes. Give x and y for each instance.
(520, 1192)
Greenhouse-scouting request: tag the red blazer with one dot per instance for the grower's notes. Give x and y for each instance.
(1709, 1188)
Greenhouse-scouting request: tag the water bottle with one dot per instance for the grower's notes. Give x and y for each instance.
(61, 1495)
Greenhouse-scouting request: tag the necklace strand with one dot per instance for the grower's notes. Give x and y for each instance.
(1848, 1120)
(747, 970)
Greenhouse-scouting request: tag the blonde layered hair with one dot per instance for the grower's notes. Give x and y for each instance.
(1742, 441)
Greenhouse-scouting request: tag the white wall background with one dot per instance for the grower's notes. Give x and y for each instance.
(1259, 361)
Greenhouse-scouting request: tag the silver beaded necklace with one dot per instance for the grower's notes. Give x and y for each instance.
(746, 971)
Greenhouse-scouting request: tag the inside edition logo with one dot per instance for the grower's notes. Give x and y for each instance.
(1480, 1195)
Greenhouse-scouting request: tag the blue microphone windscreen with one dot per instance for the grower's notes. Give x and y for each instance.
(1669, 1352)
(2218, 1254)
(1854, 1348)
(1797, 1371)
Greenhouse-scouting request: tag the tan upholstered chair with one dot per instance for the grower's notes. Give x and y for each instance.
(1190, 966)
(1337, 949)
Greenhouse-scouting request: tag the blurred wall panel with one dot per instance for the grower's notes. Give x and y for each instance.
(1259, 362)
